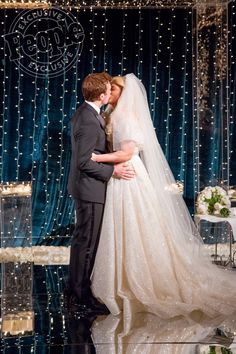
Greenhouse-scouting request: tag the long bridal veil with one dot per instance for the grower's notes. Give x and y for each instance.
(131, 120)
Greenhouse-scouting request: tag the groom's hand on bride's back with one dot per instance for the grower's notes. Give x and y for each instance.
(123, 171)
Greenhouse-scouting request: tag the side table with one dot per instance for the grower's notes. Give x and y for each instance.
(16, 278)
(232, 237)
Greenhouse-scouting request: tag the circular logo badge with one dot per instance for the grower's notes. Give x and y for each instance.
(45, 42)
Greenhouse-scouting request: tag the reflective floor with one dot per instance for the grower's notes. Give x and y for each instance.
(34, 320)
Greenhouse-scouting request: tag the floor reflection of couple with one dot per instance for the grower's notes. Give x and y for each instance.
(146, 333)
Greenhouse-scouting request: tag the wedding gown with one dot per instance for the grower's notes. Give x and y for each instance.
(150, 257)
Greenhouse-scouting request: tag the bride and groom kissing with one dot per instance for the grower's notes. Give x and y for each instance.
(135, 247)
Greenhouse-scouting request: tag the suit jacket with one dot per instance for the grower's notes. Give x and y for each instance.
(87, 178)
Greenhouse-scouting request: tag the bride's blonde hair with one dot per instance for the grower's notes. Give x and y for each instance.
(119, 81)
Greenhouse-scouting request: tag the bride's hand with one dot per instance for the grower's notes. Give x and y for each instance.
(93, 157)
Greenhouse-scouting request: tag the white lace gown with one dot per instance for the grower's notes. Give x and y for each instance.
(140, 266)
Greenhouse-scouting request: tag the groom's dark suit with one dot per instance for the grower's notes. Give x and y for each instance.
(87, 185)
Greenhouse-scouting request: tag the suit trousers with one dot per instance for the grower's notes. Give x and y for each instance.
(84, 246)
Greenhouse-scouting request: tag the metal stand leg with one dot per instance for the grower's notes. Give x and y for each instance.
(216, 254)
(230, 249)
(230, 262)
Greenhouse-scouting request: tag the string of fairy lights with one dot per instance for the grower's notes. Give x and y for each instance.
(105, 19)
(231, 95)
(99, 25)
(98, 4)
(91, 35)
(123, 57)
(184, 100)
(168, 90)
(139, 44)
(211, 121)
(156, 73)
(3, 122)
(220, 168)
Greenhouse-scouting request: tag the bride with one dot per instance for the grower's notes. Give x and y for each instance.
(150, 256)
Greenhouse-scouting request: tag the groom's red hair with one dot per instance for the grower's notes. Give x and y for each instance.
(94, 85)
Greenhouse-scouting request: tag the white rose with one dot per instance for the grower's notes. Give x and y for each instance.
(216, 212)
(226, 201)
(200, 198)
(217, 206)
(208, 194)
(208, 188)
(220, 190)
(202, 209)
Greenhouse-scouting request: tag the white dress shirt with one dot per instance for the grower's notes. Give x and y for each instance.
(94, 106)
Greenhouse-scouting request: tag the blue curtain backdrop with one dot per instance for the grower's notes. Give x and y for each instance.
(232, 92)
(154, 44)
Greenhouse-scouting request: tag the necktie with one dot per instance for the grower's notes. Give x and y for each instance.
(101, 120)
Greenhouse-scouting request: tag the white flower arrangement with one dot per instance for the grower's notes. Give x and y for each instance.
(213, 201)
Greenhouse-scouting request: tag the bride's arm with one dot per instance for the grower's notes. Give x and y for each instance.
(115, 157)
(118, 156)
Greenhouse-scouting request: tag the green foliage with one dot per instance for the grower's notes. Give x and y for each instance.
(216, 198)
(222, 349)
(224, 212)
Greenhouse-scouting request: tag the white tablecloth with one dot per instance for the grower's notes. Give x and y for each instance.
(211, 218)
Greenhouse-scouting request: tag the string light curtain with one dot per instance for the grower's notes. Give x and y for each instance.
(232, 94)
(155, 44)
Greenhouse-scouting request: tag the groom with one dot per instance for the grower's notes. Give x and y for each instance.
(87, 185)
